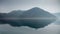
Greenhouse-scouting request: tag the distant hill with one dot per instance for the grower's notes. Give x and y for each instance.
(57, 14)
(15, 13)
(35, 18)
(58, 20)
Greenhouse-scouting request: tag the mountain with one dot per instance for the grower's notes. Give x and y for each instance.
(15, 13)
(2, 15)
(58, 20)
(35, 18)
(57, 14)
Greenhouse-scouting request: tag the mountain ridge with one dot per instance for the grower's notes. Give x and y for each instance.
(32, 13)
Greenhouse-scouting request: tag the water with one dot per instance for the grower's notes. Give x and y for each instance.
(50, 29)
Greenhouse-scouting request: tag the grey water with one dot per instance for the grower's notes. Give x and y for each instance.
(50, 29)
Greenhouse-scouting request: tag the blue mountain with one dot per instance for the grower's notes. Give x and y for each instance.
(35, 18)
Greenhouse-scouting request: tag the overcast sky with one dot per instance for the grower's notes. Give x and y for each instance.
(9, 5)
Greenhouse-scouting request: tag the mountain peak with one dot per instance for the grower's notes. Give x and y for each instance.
(36, 8)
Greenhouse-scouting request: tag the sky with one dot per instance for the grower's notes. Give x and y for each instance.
(10, 5)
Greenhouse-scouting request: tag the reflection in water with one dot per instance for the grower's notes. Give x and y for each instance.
(50, 29)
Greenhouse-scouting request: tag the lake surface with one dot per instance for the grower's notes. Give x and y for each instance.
(50, 29)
